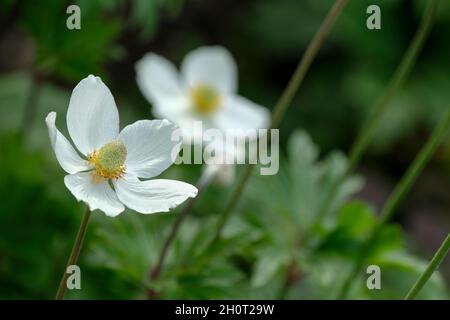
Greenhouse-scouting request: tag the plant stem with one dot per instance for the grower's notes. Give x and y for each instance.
(204, 181)
(432, 266)
(362, 141)
(75, 252)
(403, 70)
(400, 191)
(292, 276)
(416, 168)
(399, 77)
(283, 103)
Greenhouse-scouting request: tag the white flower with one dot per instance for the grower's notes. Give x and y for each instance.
(205, 90)
(107, 176)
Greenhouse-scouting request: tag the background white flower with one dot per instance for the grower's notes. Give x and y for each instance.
(206, 89)
(106, 174)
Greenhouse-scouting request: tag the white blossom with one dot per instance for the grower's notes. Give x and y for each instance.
(105, 172)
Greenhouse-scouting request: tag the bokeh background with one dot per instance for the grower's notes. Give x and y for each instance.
(41, 61)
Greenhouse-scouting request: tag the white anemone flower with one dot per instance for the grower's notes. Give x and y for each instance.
(107, 170)
(206, 90)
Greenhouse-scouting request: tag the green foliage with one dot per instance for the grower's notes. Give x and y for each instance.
(276, 225)
(324, 258)
(71, 54)
(33, 238)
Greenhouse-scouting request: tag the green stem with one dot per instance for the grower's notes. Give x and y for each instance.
(399, 77)
(363, 139)
(283, 103)
(432, 266)
(400, 191)
(416, 168)
(75, 253)
(403, 70)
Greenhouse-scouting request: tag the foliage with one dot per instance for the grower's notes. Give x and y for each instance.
(276, 225)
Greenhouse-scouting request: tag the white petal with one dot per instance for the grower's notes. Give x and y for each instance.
(157, 77)
(152, 146)
(67, 157)
(158, 195)
(213, 66)
(97, 195)
(161, 85)
(158, 80)
(92, 117)
(172, 108)
(240, 113)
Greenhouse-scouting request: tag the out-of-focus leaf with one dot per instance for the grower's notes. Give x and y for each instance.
(71, 54)
(354, 223)
(399, 271)
(266, 268)
(33, 224)
(356, 219)
(286, 216)
(313, 180)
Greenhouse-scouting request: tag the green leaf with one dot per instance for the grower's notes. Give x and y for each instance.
(356, 218)
(266, 268)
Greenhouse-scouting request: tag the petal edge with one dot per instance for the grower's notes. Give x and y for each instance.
(151, 196)
(97, 195)
(66, 155)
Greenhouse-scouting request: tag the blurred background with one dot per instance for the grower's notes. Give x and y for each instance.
(41, 61)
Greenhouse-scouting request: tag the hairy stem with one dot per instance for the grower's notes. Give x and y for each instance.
(432, 266)
(400, 191)
(78, 244)
(283, 103)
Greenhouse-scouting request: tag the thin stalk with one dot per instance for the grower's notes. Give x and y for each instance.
(292, 275)
(432, 266)
(363, 139)
(284, 102)
(400, 191)
(397, 80)
(204, 181)
(78, 244)
(403, 71)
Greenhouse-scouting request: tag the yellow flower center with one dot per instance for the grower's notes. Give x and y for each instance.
(108, 161)
(205, 99)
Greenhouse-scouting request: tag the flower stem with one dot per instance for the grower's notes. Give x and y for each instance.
(204, 181)
(400, 191)
(432, 266)
(362, 141)
(399, 77)
(75, 252)
(284, 102)
(403, 70)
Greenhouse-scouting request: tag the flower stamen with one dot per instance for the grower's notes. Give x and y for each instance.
(108, 161)
(205, 99)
